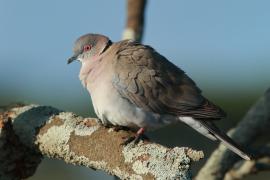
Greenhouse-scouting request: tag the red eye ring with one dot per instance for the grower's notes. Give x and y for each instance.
(86, 47)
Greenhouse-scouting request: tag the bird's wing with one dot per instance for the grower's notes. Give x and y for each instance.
(149, 80)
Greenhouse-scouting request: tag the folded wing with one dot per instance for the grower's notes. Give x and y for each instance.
(150, 81)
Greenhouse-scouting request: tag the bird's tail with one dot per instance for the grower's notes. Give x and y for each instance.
(210, 130)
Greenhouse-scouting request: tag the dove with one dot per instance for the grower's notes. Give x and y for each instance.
(131, 85)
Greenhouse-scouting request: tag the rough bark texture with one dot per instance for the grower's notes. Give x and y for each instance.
(27, 132)
(255, 124)
(135, 20)
(249, 167)
(17, 161)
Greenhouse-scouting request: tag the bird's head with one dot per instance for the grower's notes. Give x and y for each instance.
(89, 47)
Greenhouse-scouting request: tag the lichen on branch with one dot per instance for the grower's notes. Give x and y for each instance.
(84, 141)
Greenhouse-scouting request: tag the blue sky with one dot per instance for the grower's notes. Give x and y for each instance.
(220, 44)
(223, 45)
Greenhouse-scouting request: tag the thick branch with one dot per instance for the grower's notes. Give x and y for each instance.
(17, 161)
(255, 123)
(83, 141)
(261, 162)
(135, 20)
(249, 167)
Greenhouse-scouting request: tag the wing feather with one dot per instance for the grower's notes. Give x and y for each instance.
(150, 81)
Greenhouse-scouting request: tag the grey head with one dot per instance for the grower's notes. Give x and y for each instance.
(89, 46)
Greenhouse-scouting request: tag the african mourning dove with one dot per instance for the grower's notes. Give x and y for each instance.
(132, 85)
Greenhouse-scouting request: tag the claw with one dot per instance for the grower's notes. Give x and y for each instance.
(128, 140)
(139, 136)
(118, 128)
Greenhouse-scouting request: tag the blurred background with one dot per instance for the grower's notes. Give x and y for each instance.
(222, 45)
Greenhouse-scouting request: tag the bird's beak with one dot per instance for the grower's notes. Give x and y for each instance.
(73, 58)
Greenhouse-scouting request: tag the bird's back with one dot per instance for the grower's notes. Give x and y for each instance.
(150, 81)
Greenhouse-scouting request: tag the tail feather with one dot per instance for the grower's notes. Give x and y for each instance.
(228, 142)
(196, 125)
(210, 130)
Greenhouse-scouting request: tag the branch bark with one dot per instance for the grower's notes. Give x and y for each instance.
(135, 20)
(41, 130)
(248, 167)
(254, 125)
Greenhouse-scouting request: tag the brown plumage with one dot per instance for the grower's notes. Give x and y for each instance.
(132, 85)
(153, 83)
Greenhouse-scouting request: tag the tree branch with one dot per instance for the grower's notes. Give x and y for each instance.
(261, 162)
(43, 130)
(247, 168)
(255, 124)
(135, 20)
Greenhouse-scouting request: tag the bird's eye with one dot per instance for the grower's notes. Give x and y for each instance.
(86, 48)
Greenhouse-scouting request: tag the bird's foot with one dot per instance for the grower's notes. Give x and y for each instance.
(118, 128)
(135, 139)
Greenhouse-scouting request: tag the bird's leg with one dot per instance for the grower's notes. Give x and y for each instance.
(139, 135)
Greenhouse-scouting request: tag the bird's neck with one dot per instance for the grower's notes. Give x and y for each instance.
(93, 69)
(107, 46)
(90, 71)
